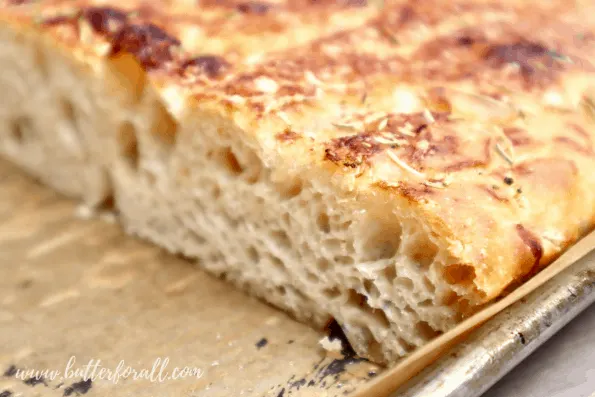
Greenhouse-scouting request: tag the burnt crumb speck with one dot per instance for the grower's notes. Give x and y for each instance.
(298, 384)
(532, 58)
(104, 20)
(520, 52)
(11, 371)
(522, 338)
(338, 366)
(519, 190)
(150, 44)
(465, 40)
(78, 388)
(212, 65)
(508, 180)
(419, 129)
(311, 383)
(281, 393)
(262, 343)
(254, 7)
(372, 374)
(34, 381)
(289, 342)
(6, 393)
(288, 136)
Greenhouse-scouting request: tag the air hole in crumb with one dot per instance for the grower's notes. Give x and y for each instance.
(323, 222)
(281, 239)
(331, 293)
(390, 272)
(323, 264)
(231, 162)
(150, 177)
(253, 175)
(184, 172)
(375, 350)
(286, 219)
(382, 241)
(305, 247)
(371, 288)
(71, 135)
(450, 298)
(216, 192)
(350, 248)
(197, 239)
(464, 307)
(344, 226)
(215, 257)
(164, 126)
(281, 290)
(408, 347)
(344, 260)
(129, 144)
(41, 62)
(312, 277)
(68, 111)
(291, 189)
(459, 274)
(356, 299)
(429, 285)
(374, 347)
(253, 255)
(425, 330)
(278, 263)
(409, 310)
(254, 169)
(20, 128)
(404, 282)
(426, 303)
(296, 293)
(422, 250)
(334, 244)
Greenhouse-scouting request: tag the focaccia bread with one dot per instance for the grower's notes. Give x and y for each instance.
(393, 166)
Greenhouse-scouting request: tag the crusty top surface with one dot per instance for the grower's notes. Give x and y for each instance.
(477, 115)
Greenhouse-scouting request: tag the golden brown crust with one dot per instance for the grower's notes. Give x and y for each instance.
(468, 113)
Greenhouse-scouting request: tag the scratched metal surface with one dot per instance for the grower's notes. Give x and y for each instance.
(472, 367)
(72, 287)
